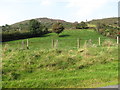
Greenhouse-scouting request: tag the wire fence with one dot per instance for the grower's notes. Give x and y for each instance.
(61, 43)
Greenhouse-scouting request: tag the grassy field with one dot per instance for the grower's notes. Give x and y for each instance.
(65, 67)
(66, 40)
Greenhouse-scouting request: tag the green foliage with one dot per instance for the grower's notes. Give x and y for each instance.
(14, 33)
(60, 68)
(66, 40)
(81, 25)
(78, 26)
(6, 27)
(107, 30)
(44, 29)
(64, 67)
(57, 28)
(35, 27)
(109, 21)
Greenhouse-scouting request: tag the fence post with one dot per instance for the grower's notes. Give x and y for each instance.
(85, 48)
(117, 39)
(27, 44)
(22, 44)
(78, 43)
(90, 42)
(52, 43)
(56, 44)
(99, 41)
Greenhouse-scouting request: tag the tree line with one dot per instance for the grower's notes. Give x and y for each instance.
(34, 29)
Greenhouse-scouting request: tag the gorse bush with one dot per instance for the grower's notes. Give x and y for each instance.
(107, 30)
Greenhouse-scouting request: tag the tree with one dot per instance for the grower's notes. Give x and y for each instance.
(6, 27)
(35, 27)
(78, 26)
(57, 28)
(44, 29)
(83, 25)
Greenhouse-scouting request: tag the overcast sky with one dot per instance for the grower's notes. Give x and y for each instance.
(13, 11)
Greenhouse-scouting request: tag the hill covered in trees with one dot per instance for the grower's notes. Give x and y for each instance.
(23, 25)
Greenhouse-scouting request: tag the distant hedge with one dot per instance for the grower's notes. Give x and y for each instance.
(35, 29)
(18, 35)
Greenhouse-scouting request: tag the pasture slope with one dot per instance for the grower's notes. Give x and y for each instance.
(65, 66)
(66, 40)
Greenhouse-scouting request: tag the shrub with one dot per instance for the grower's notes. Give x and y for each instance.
(57, 28)
(81, 25)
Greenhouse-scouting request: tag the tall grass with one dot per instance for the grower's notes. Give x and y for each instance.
(93, 67)
(66, 66)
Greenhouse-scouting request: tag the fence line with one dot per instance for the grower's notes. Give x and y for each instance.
(63, 43)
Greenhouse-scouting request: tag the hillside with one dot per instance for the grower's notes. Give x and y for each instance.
(48, 22)
(64, 66)
(109, 21)
(23, 25)
(66, 40)
(45, 21)
(21, 30)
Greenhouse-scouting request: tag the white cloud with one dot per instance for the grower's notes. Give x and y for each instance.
(17, 0)
(51, 2)
(46, 2)
(77, 9)
(85, 8)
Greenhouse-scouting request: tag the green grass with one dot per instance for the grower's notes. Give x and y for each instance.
(65, 67)
(60, 68)
(67, 40)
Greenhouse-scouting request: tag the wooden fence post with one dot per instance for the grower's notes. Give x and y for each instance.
(52, 43)
(78, 43)
(27, 44)
(56, 44)
(90, 42)
(99, 41)
(22, 44)
(117, 39)
(85, 48)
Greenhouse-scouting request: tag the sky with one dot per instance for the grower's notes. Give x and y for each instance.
(13, 11)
